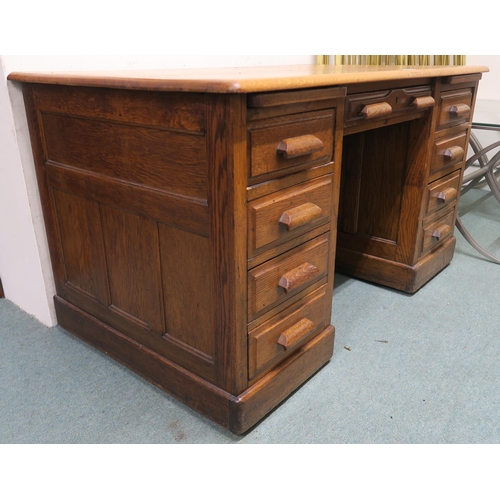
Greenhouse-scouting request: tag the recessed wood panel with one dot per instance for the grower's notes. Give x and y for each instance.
(159, 158)
(81, 266)
(133, 260)
(188, 288)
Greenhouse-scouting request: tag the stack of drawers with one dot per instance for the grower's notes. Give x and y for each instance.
(446, 166)
(291, 217)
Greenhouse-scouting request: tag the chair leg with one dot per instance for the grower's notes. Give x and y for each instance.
(486, 174)
(473, 242)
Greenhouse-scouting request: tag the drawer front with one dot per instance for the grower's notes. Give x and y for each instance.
(455, 108)
(281, 216)
(383, 104)
(277, 338)
(438, 230)
(281, 278)
(449, 150)
(443, 191)
(291, 141)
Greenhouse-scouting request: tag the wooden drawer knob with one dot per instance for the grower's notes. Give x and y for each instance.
(297, 276)
(296, 333)
(422, 102)
(377, 109)
(440, 232)
(453, 153)
(300, 215)
(300, 146)
(446, 194)
(459, 110)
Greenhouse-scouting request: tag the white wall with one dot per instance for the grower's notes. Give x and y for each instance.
(489, 86)
(488, 103)
(24, 260)
(26, 281)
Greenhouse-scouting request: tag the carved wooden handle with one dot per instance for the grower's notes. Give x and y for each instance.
(300, 146)
(300, 215)
(446, 194)
(296, 333)
(297, 276)
(425, 101)
(459, 110)
(377, 109)
(440, 232)
(453, 153)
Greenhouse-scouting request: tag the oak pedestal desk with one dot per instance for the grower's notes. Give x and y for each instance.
(194, 217)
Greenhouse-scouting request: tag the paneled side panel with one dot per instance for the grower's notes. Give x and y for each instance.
(132, 253)
(75, 239)
(159, 158)
(188, 288)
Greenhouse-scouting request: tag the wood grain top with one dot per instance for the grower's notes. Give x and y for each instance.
(241, 80)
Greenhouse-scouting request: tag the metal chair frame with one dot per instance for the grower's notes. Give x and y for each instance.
(487, 173)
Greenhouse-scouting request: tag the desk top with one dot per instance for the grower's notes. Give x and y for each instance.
(242, 80)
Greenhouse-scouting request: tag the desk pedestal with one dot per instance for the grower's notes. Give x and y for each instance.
(401, 177)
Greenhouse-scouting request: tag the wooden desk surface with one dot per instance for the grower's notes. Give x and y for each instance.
(242, 80)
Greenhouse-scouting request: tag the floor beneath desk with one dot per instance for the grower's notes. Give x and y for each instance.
(406, 369)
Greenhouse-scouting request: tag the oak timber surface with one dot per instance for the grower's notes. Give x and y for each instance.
(192, 215)
(242, 80)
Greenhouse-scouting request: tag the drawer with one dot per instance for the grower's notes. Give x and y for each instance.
(383, 104)
(443, 191)
(304, 139)
(438, 230)
(281, 216)
(449, 150)
(277, 338)
(279, 279)
(455, 108)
